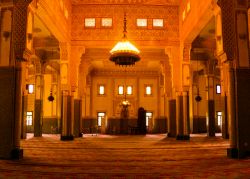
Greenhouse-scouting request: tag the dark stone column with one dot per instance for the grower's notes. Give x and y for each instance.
(172, 118)
(179, 117)
(233, 151)
(77, 117)
(242, 113)
(224, 127)
(236, 47)
(141, 121)
(210, 104)
(24, 116)
(211, 118)
(67, 117)
(11, 85)
(9, 142)
(186, 117)
(17, 152)
(38, 108)
(38, 118)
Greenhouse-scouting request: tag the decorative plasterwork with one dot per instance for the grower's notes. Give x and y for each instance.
(169, 13)
(64, 51)
(129, 72)
(20, 10)
(242, 3)
(186, 52)
(55, 16)
(144, 2)
(228, 27)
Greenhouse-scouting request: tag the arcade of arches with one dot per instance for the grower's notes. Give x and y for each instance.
(56, 76)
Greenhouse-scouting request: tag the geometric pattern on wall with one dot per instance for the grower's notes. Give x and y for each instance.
(170, 31)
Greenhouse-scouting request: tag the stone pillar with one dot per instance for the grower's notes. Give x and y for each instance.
(224, 127)
(67, 116)
(77, 117)
(224, 92)
(232, 112)
(186, 118)
(24, 116)
(236, 47)
(210, 106)
(85, 86)
(179, 116)
(76, 57)
(172, 85)
(67, 100)
(38, 108)
(191, 108)
(182, 104)
(172, 118)
(11, 80)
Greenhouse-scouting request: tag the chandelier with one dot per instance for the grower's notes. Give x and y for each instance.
(124, 53)
(125, 102)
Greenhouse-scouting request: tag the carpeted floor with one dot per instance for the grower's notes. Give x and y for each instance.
(105, 156)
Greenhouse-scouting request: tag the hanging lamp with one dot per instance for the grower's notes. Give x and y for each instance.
(124, 52)
(197, 98)
(51, 97)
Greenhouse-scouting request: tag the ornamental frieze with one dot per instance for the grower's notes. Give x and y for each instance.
(153, 2)
(169, 14)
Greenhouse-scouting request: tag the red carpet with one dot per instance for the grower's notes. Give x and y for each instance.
(104, 156)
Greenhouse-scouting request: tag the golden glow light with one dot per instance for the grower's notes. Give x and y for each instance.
(101, 90)
(124, 52)
(30, 88)
(124, 47)
(120, 90)
(125, 103)
(129, 90)
(148, 90)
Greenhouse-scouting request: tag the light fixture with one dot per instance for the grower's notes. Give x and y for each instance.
(124, 111)
(30, 88)
(51, 97)
(197, 98)
(125, 103)
(124, 53)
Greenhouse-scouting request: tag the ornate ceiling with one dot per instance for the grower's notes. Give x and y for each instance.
(138, 2)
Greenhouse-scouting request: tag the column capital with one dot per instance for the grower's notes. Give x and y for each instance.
(228, 27)
(64, 51)
(172, 53)
(210, 67)
(186, 52)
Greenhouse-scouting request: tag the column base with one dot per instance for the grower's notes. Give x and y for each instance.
(235, 153)
(182, 137)
(211, 135)
(17, 154)
(170, 135)
(67, 138)
(38, 135)
(225, 136)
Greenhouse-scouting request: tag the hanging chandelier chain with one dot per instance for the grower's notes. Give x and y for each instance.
(125, 83)
(124, 53)
(125, 26)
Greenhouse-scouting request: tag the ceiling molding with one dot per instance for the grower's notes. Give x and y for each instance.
(126, 2)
